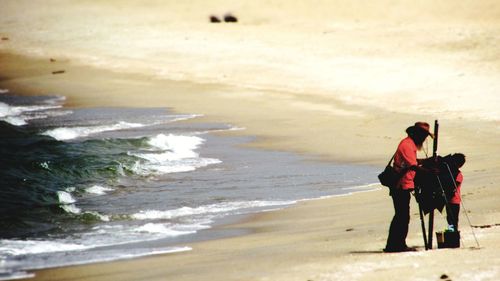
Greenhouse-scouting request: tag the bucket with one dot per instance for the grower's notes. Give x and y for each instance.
(448, 239)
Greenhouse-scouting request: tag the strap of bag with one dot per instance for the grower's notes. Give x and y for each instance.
(390, 161)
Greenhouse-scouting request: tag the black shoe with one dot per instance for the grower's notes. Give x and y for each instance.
(390, 250)
(409, 249)
(399, 249)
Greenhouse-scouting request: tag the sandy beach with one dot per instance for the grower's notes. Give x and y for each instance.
(330, 80)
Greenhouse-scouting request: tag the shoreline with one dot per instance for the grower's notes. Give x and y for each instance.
(350, 237)
(271, 251)
(330, 80)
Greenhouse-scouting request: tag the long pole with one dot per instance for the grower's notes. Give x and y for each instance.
(435, 141)
(434, 155)
(422, 223)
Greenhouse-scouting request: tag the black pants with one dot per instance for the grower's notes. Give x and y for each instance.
(452, 214)
(399, 225)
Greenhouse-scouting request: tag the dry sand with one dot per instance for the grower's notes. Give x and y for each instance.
(333, 80)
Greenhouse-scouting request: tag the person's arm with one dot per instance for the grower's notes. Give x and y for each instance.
(421, 169)
(425, 166)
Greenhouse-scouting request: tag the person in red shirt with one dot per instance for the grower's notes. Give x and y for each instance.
(405, 163)
(454, 203)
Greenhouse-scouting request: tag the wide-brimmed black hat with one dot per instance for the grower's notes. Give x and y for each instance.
(423, 127)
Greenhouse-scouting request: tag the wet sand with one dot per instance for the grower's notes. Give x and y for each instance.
(357, 117)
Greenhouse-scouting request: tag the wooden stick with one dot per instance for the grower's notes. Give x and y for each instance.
(434, 155)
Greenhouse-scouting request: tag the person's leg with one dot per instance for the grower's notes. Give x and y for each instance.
(452, 214)
(398, 229)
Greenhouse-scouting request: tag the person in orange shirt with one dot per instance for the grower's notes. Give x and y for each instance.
(453, 210)
(405, 163)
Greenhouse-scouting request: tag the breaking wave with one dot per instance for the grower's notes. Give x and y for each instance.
(69, 133)
(98, 190)
(20, 115)
(171, 154)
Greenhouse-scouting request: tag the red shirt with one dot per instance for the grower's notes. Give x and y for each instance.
(405, 157)
(456, 197)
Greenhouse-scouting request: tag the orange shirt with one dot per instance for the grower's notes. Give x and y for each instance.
(456, 197)
(405, 157)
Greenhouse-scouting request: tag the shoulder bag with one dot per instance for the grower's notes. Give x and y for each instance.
(389, 177)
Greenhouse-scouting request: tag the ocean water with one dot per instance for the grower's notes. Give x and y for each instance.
(99, 184)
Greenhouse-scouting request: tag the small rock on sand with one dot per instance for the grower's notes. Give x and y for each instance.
(58, 72)
(230, 18)
(214, 19)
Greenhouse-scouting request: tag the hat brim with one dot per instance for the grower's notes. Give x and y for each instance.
(417, 128)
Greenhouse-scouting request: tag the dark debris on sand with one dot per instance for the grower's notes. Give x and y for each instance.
(230, 18)
(214, 19)
(227, 18)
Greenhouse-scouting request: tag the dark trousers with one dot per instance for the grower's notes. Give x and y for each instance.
(399, 224)
(452, 213)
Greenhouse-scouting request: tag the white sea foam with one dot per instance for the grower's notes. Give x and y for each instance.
(58, 248)
(183, 145)
(171, 154)
(29, 108)
(71, 208)
(67, 203)
(69, 133)
(101, 217)
(15, 120)
(24, 247)
(103, 256)
(15, 247)
(65, 197)
(98, 190)
(8, 110)
(167, 167)
(46, 114)
(22, 119)
(161, 229)
(19, 115)
(218, 208)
